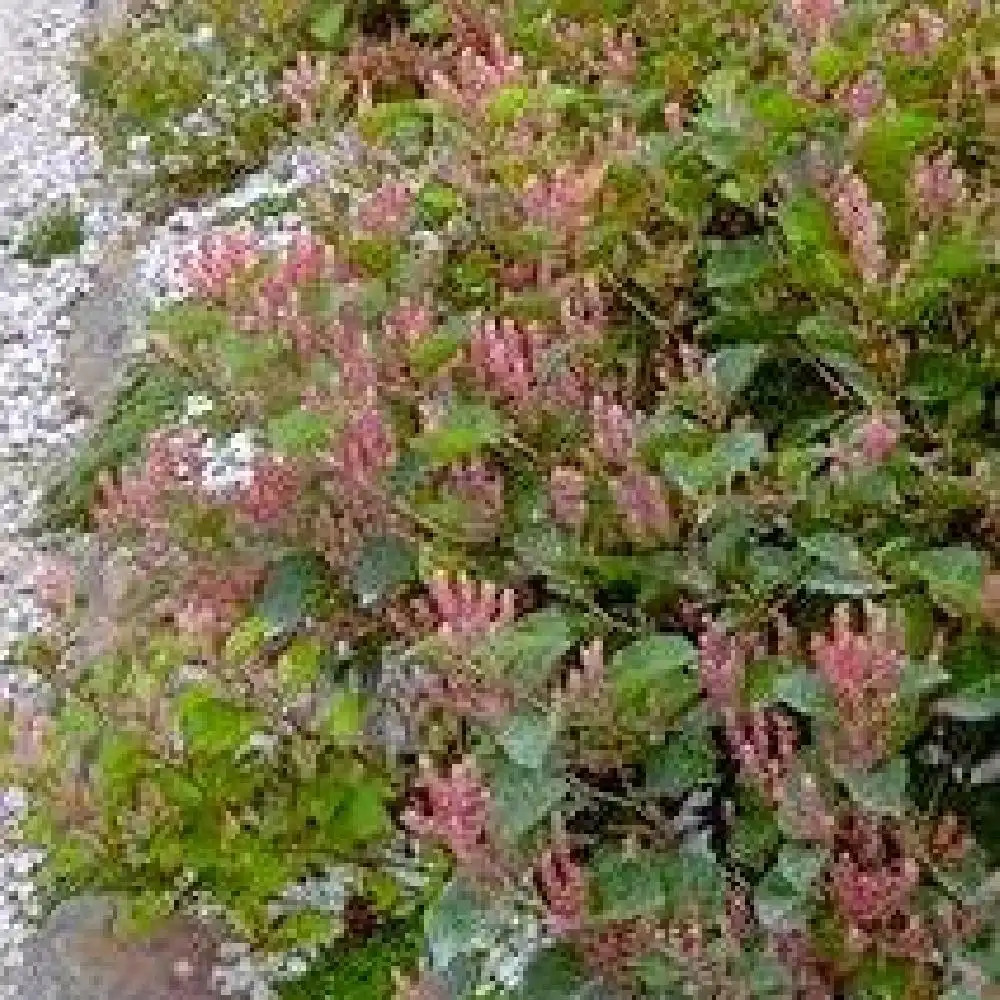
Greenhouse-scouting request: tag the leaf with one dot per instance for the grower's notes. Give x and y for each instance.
(733, 453)
(523, 796)
(327, 25)
(804, 691)
(882, 790)
(811, 239)
(694, 877)
(732, 368)
(628, 887)
(344, 715)
(531, 646)
(954, 576)
(734, 263)
(784, 894)
(528, 739)
(688, 759)
(755, 833)
(466, 430)
(298, 433)
(838, 566)
(385, 564)
(656, 675)
(556, 974)
(977, 702)
(299, 665)
(295, 587)
(459, 923)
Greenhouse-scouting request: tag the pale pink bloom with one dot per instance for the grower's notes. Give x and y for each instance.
(408, 324)
(855, 663)
(814, 18)
(221, 259)
(468, 609)
(365, 450)
(620, 55)
(385, 213)
(860, 222)
(54, 582)
(568, 496)
(673, 117)
(921, 35)
(864, 97)
(878, 438)
(721, 663)
(302, 83)
(615, 430)
(560, 202)
(640, 497)
(478, 78)
(937, 185)
(503, 355)
(561, 884)
(452, 809)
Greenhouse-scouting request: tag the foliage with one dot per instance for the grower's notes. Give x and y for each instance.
(622, 500)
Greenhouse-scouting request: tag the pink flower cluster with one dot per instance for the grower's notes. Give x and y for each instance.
(877, 439)
(174, 463)
(386, 211)
(615, 431)
(222, 258)
(302, 83)
(585, 684)
(872, 879)
(814, 18)
(278, 304)
(920, 36)
(511, 360)
(568, 496)
(863, 671)
(864, 96)
(721, 665)
(275, 487)
(620, 55)
(364, 451)
(764, 742)
(212, 601)
(465, 609)
(476, 78)
(560, 202)
(561, 884)
(938, 185)
(452, 809)
(860, 222)
(641, 500)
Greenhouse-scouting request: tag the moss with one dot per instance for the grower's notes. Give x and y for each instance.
(56, 234)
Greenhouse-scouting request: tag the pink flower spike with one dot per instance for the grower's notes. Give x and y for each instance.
(722, 664)
(615, 430)
(860, 222)
(814, 18)
(561, 884)
(938, 185)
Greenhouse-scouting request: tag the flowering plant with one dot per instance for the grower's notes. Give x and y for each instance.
(636, 422)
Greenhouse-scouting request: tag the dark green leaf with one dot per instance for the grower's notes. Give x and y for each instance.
(386, 563)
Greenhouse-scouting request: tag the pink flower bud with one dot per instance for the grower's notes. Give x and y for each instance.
(814, 18)
(721, 663)
(640, 497)
(920, 36)
(302, 83)
(864, 96)
(860, 222)
(465, 609)
(615, 431)
(365, 450)
(453, 810)
(764, 742)
(938, 185)
(274, 489)
(877, 440)
(221, 259)
(385, 213)
(568, 496)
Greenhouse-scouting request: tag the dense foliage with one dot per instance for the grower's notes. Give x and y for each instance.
(613, 516)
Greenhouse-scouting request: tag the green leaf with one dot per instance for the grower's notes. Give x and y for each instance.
(327, 26)
(733, 453)
(755, 832)
(296, 587)
(785, 892)
(299, 665)
(656, 675)
(811, 240)
(735, 263)
(529, 647)
(838, 567)
(733, 367)
(882, 790)
(628, 887)
(954, 576)
(528, 739)
(385, 564)
(556, 974)
(465, 431)
(804, 691)
(687, 760)
(458, 924)
(344, 715)
(882, 979)
(693, 877)
(523, 796)
(298, 433)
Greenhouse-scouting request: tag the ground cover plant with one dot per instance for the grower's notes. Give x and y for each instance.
(578, 546)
